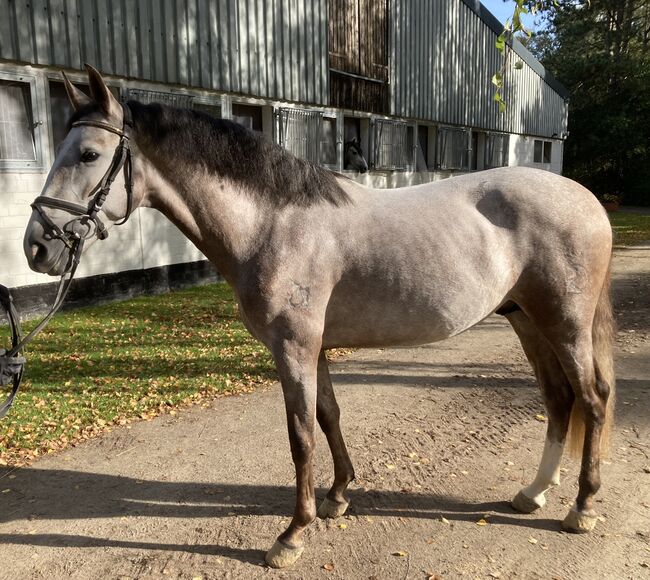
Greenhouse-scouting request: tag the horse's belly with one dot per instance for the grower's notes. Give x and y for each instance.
(364, 319)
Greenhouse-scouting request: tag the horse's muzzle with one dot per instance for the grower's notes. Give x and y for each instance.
(44, 254)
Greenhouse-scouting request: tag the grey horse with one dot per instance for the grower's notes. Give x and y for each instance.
(317, 261)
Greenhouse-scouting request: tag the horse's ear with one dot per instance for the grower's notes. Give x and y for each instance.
(355, 141)
(101, 94)
(77, 98)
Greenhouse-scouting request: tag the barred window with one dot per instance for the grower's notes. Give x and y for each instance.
(17, 142)
(299, 131)
(454, 148)
(391, 148)
(496, 150)
(172, 99)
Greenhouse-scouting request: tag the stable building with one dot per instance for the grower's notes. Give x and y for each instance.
(410, 81)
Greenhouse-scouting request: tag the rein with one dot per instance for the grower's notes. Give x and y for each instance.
(85, 225)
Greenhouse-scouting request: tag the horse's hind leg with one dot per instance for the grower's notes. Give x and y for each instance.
(328, 415)
(582, 340)
(558, 398)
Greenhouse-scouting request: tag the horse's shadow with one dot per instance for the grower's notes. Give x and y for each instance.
(44, 494)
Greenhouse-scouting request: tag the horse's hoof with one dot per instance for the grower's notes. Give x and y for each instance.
(332, 509)
(579, 522)
(282, 556)
(527, 505)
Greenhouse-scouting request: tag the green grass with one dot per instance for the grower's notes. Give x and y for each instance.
(100, 366)
(630, 228)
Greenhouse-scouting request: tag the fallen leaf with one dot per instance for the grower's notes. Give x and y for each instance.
(343, 526)
(400, 554)
(329, 567)
(532, 540)
(541, 418)
(390, 466)
(494, 574)
(444, 520)
(481, 522)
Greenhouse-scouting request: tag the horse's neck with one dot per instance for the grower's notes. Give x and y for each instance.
(223, 221)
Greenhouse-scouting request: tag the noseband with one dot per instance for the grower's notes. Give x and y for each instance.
(73, 234)
(87, 224)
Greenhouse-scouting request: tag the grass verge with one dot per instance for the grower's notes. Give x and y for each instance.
(630, 228)
(97, 367)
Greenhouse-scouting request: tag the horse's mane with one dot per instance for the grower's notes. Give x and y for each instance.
(234, 152)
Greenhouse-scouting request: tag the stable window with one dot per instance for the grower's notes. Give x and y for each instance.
(212, 109)
(543, 151)
(496, 150)
(454, 148)
(147, 97)
(422, 151)
(250, 116)
(299, 131)
(392, 148)
(19, 144)
(328, 141)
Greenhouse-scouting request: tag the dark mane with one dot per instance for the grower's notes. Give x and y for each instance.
(232, 151)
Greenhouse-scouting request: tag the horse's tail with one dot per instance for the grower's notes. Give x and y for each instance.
(602, 333)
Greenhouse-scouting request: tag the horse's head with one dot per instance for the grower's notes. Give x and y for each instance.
(354, 158)
(75, 202)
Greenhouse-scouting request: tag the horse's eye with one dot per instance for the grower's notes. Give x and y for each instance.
(89, 156)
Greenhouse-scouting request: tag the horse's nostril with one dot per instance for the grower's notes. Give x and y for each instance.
(37, 249)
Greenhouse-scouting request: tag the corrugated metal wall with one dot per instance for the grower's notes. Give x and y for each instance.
(267, 48)
(442, 53)
(443, 58)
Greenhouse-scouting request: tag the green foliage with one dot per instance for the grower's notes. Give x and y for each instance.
(601, 52)
(630, 227)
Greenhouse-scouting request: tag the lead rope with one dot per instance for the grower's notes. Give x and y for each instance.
(12, 364)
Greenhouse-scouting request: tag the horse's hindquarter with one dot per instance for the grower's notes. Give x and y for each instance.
(420, 265)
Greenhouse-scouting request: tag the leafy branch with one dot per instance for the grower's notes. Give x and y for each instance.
(512, 26)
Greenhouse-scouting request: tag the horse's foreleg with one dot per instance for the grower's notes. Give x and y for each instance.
(558, 398)
(328, 414)
(297, 370)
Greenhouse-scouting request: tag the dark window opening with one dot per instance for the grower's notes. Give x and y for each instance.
(250, 116)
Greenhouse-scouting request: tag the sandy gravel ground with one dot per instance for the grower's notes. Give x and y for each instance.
(441, 437)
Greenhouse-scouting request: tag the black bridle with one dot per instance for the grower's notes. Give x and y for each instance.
(87, 223)
(74, 233)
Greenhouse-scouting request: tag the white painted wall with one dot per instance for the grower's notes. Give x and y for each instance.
(522, 152)
(147, 240)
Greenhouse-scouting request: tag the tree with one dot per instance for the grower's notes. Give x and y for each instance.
(600, 50)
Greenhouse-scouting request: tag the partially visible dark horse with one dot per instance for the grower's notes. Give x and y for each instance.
(318, 261)
(353, 157)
